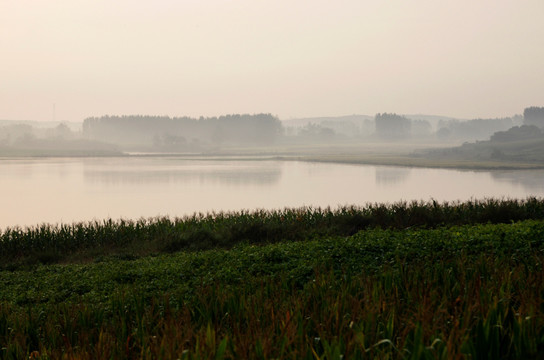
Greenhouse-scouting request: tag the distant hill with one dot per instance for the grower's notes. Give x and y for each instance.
(523, 144)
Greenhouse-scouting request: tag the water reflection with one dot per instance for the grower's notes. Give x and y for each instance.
(390, 176)
(242, 173)
(67, 190)
(28, 168)
(530, 180)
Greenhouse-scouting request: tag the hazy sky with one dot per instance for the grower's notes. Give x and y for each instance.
(461, 58)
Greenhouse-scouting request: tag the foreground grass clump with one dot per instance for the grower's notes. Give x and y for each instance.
(473, 291)
(47, 244)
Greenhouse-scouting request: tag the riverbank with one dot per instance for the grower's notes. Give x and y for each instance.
(425, 155)
(413, 161)
(389, 154)
(478, 156)
(87, 241)
(454, 290)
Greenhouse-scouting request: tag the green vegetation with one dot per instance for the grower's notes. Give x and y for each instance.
(49, 244)
(401, 281)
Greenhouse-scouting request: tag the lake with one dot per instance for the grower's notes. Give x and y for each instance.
(35, 191)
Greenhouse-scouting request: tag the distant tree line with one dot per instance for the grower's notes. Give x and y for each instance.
(183, 132)
(534, 116)
(19, 139)
(477, 129)
(517, 133)
(392, 126)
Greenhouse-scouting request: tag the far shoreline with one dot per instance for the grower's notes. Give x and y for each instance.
(375, 159)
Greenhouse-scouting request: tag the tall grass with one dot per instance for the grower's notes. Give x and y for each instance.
(54, 243)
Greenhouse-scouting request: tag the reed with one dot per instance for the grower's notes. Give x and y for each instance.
(132, 238)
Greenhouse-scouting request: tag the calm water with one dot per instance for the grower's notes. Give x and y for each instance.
(67, 190)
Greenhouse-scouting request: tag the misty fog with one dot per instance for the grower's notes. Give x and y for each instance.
(117, 135)
(143, 166)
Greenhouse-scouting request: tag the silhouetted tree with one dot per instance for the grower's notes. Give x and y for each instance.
(392, 126)
(516, 133)
(166, 131)
(534, 116)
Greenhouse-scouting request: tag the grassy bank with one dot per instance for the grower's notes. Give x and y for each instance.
(401, 281)
(83, 242)
(471, 291)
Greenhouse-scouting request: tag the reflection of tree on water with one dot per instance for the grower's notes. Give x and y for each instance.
(530, 180)
(389, 175)
(237, 174)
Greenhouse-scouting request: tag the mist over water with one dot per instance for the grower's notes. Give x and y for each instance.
(68, 190)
